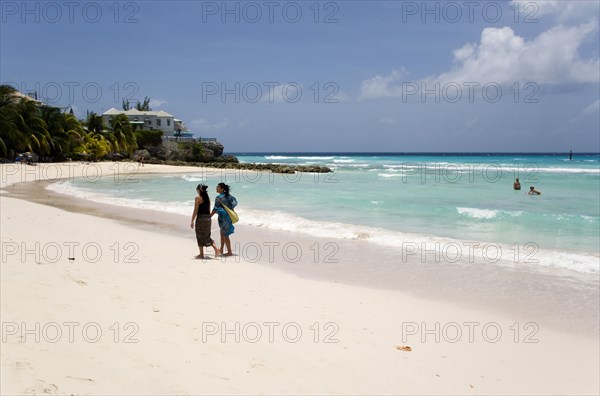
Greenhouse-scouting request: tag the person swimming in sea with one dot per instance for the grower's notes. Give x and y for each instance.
(533, 191)
(516, 184)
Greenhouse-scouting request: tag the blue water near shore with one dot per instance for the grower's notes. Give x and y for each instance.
(391, 199)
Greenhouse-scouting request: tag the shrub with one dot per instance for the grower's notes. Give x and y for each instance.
(148, 138)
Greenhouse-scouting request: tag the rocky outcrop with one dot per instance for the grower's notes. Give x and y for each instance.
(231, 162)
(210, 154)
(190, 151)
(145, 154)
(216, 147)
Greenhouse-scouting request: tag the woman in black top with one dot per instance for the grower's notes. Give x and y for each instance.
(202, 223)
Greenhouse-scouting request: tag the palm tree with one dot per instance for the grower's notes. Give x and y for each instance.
(95, 123)
(6, 95)
(65, 131)
(8, 129)
(33, 128)
(25, 125)
(123, 133)
(145, 106)
(21, 126)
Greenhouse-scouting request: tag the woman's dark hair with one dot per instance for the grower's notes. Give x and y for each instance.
(205, 197)
(225, 188)
(202, 188)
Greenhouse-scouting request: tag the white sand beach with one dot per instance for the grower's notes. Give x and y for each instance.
(96, 305)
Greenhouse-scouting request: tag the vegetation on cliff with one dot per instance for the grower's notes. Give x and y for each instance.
(27, 125)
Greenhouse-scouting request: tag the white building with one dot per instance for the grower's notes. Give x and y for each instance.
(158, 120)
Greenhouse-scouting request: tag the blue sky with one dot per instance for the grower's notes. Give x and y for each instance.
(324, 76)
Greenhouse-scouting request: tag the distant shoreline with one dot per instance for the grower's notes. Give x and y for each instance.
(407, 153)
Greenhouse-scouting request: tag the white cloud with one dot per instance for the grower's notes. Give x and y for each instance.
(563, 10)
(502, 57)
(505, 58)
(382, 86)
(156, 103)
(592, 109)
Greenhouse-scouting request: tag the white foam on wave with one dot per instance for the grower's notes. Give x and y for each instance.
(477, 213)
(69, 188)
(487, 169)
(388, 175)
(315, 158)
(410, 244)
(592, 171)
(284, 157)
(346, 165)
(421, 246)
(191, 178)
(277, 157)
(395, 166)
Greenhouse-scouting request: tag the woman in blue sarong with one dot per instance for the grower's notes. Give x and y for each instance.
(225, 224)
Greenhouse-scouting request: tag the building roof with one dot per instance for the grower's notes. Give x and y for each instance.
(21, 95)
(135, 112)
(112, 111)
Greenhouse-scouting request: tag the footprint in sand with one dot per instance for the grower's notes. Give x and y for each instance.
(42, 387)
(79, 378)
(78, 281)
(257, 363)
(23, 365)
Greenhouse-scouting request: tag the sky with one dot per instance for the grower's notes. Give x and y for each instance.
(323, 76)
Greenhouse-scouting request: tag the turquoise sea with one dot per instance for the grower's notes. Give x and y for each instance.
(457, 201)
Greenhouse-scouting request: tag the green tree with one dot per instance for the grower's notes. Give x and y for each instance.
(95, 145)
(124, 137)
(65, 130)
(26, 125)
(9, 132)
(34, 135)
(145, 106)
(95, 123)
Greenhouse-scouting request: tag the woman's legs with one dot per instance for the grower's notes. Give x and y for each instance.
(201, 255)
(228, 244)
(225, 242)
(214, 246)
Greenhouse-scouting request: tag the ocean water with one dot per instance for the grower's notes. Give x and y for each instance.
(459, 205)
